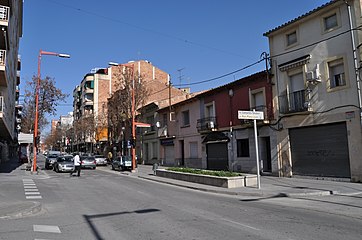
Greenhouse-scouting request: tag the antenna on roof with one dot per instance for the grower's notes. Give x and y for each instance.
(180, 77)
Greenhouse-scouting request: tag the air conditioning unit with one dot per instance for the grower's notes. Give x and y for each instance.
(313, 77)
(210, 125)
(172, 116)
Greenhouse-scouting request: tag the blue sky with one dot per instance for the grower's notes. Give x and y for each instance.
(204, 38)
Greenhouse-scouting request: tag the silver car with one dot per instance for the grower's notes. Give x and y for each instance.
(88, 162)
(64, 164)
(100, 160)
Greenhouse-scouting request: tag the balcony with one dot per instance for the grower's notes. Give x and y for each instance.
(4, 15)
(293, 102)
(2, 68)
(206, 124)
(1, 104)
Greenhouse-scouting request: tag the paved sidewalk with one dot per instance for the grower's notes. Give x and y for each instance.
(270, 186)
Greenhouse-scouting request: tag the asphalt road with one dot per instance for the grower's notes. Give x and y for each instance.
(105, 204)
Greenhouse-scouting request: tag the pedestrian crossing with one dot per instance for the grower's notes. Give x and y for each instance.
(45, 229)
(30, 189)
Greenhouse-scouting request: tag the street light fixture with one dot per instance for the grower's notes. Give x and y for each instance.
(41, 53)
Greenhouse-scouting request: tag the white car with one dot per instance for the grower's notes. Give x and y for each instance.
(100, 160)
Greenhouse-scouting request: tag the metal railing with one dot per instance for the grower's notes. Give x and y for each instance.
(206, 124)
(1, 103)
(2, 57)
(4, 13)
(293, 102)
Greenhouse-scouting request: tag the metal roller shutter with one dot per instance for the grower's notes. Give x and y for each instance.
(320, 150)
(217, 156)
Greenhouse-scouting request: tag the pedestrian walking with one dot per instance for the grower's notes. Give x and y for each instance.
(77, 165)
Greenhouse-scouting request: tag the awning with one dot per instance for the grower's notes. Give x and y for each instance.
(214, 137)
(294, 63)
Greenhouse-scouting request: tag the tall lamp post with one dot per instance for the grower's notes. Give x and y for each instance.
(41, 53)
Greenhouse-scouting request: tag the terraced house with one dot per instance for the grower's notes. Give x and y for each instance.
(316, 86)
(11, 17)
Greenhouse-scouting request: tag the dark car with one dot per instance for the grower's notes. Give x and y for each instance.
(122, 163)
(64, 164)
(50, 160)
(88, 162)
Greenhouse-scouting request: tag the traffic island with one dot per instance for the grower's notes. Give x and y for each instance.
(243, 180)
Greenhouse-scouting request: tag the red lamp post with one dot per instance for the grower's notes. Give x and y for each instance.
(41, 53)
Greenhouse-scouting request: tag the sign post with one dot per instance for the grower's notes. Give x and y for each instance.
(254, 115)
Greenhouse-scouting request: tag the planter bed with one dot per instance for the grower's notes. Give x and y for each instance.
(246, 180)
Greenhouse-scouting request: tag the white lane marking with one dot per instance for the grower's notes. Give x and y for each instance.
(31, 190)
(46, 228)
(240, 224)
(29, 187)
(32, 193)
(28, 180)
(33, 197)
(29, 184)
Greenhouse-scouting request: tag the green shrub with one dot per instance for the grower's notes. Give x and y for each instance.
(204, 172)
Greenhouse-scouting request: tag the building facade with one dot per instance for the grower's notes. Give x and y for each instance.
(316, 74)
(11, 17)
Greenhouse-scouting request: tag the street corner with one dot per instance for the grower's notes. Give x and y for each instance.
(19, 209)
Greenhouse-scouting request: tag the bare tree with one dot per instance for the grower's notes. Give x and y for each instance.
(120, 103)
(49, 98)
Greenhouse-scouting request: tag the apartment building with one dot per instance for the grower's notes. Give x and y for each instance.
(92, 95)
(316, 86)
(204, 131)
(11, 17)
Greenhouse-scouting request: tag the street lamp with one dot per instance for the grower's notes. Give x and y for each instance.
(41, 53)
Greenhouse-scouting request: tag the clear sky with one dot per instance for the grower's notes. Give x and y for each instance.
(204, 38)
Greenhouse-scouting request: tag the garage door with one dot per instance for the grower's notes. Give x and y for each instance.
(217, 156)
(320, 150)
(169, 156)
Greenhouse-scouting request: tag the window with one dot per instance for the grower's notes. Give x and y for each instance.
(243, 147)
(336, 74)
(186, 118)
(193, 150)
(164, 119)
(209, 110)
(292, 38)
(330, 22)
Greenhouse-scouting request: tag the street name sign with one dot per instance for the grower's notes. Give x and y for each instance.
(252, 115)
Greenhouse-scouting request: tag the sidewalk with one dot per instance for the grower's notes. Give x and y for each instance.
(270, 186)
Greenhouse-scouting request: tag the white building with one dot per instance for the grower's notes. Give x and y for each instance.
(317, 92)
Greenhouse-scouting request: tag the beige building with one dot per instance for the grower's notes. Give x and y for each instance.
(317, 92)
(11, 17)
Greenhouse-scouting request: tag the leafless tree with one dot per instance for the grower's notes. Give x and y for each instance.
(49, 98)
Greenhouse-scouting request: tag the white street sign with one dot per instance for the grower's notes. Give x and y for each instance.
(253, 115)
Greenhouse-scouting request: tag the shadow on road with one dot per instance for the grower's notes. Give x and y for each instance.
(96, 233)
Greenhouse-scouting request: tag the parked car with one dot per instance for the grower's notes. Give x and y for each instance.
(100, 160)
(64, 164)
(122, 163)
(50, 160)
(88, 162)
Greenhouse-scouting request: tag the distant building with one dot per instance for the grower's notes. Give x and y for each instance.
(92, 94)
(11, 17)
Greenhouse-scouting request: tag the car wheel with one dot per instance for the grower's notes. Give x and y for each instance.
(93, 168)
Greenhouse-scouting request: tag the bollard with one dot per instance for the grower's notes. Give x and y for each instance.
(154, 168)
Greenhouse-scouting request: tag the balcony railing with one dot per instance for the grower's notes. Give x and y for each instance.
(2, 57)
(293, 102)
(4, 13)
(1, 103)
(206, 124)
